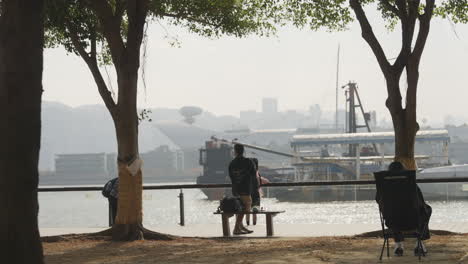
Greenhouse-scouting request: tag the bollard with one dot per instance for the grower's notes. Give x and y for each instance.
(181, 207)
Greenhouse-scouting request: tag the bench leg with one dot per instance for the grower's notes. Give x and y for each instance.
(269, 225)
(254, 219)
(226, 229)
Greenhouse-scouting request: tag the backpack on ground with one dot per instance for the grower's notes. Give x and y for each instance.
(230, 205)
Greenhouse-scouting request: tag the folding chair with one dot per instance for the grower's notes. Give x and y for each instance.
(399, 207)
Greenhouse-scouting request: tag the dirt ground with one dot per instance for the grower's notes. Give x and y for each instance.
(442, 249)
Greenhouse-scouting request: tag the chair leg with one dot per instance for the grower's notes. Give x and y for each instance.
(420, 249)
(383, 247)
(388, 249)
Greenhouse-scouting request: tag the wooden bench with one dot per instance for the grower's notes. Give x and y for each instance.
(269, 221)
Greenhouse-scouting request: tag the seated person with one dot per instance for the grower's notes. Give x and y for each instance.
(424, 211)
(255, 187)
(257, 182)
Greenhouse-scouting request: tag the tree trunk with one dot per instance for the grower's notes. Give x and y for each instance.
(404, 119)
(128, 224)
(405, 134)
(21, 58)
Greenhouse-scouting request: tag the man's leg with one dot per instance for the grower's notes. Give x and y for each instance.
(424, 228)
(113, 204)
(398, 236)
(247, 202)
(238, 226)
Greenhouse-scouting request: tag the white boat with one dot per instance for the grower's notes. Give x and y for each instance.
(449, 191)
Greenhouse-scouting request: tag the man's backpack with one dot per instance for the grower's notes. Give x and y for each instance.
(230, 205)
(108, 188)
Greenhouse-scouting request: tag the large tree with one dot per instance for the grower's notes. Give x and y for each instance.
(103, 31)
(21, 46)
(414, 19)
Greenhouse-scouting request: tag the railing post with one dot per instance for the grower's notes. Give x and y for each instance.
(181, 207)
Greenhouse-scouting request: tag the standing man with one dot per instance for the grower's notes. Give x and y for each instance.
(242, 172)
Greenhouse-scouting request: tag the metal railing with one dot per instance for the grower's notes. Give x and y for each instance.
(226, 185)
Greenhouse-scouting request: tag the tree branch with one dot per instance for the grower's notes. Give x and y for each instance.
(408, 23)
(137, 11)
(189, 18)
(391, 8)
(93, 43)
(415, 58)
(369, 36)
(76, 41)
(424, 27)
(119, 10)
(110, 28)
(91, 61)
(402, 7)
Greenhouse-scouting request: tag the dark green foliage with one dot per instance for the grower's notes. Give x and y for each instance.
(211, 18)
(67, 17)
(331, 14)
(64, 16)
(457, 10)
(336, 14)
(214, 17)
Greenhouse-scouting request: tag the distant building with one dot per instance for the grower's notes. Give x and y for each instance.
(269, 106)
(81, 165)
(179, 160)
(161, 157)
(315, 114)
(247, 116)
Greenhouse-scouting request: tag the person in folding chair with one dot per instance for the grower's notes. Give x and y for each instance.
(402, 208)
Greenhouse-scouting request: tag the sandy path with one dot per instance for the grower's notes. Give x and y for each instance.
(442, 249)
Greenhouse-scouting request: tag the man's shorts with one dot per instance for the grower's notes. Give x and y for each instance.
(247, 202)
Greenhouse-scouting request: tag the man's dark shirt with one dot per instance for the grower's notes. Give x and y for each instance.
(241, 172)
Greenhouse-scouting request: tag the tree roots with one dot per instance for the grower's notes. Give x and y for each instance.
(115, 233)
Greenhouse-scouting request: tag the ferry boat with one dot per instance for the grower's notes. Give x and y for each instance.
(446, 191)
(342, 166)
(215, 159)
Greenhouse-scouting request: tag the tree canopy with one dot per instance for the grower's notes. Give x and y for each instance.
(336, 14)
(457, 10)
(73, 21)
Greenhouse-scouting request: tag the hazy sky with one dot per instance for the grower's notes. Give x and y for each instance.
(297, 67)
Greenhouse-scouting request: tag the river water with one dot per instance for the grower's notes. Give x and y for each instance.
(90, 209)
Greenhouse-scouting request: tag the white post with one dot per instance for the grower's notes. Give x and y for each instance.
(382, 165)
(358, 161)
(445, 151)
